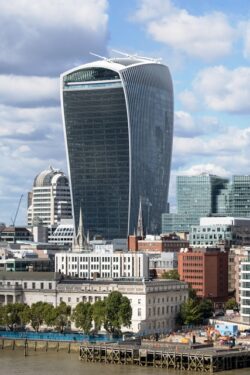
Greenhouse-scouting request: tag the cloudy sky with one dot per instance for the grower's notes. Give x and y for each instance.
(206, 45)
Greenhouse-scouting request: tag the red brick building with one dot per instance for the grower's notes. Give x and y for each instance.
(158, 244)
(206, 270)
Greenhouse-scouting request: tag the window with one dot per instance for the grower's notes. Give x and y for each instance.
(139, 311)
(50, 285)
(139, 301)
(33, 285)
(41, 286)
(25, 285)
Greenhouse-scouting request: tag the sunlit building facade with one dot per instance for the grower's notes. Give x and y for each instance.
(50, 199)
(118, 121)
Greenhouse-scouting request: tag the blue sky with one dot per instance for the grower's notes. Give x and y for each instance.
(206, 45)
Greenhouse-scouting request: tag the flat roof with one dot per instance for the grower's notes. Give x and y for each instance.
(50, 276)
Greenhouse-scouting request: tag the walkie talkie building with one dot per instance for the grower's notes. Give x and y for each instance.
(118, 122)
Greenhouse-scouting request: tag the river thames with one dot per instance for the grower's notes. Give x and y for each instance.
(53, 363)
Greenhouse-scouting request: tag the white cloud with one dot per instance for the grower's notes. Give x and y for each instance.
(186, 125)
(20, 90)
(223, 89)
(209, 36)
(245, 32)
(148, 9)
(48, 37)
(228, 150)
(209, 168)
(188, 100)
(29, 123)
(58, 12)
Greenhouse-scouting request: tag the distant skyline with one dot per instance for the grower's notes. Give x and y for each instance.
(206, 45)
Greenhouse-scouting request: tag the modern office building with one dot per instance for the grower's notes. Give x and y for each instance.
(102, 264)
(197, 196)
(118, 121)
(15, 234)
(228, 231)
(206, 270)
(50, 199)
(245, 289)
(239, 196)
(236, 255)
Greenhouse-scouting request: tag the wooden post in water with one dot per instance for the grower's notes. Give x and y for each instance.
(26, 347)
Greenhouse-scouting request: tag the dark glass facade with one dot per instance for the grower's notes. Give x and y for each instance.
(119, 130)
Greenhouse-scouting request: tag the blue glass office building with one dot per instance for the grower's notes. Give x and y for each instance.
(118, 122)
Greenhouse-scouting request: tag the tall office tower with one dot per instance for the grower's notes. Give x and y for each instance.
(197, 196)
(118, 121)
(240, 196)
(49, 201)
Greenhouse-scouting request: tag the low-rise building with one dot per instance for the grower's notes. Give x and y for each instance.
(163, 262)
(155, 304)
(151, 243)
(13, 234)
(26, 264)
(220, 230)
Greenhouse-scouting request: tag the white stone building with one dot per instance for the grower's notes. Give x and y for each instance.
(155, 304)
(49, 200)
(103, 264)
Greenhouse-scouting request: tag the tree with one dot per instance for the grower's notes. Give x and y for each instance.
(83, 316)
(118, 312)
(25, 315)
(206, 308)
(192, 293)
(61, 316)
(99, 313)
(231, 304)
(12, 314)
(39, 313)
(189, 313)
(171, 274)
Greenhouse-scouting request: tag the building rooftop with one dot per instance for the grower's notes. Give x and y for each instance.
(49, 276)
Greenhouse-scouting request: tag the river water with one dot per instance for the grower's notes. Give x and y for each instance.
(53, 363)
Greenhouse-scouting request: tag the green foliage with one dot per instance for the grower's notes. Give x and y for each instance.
(83, 316)
(171, 274)
(231, 304)
(192, 293)
(195, 311)
(206, 308)
(61, 316)
(112, 313)
(190, 312)
(99, 313)
(118, 312)
(13, 314)
(40, 313)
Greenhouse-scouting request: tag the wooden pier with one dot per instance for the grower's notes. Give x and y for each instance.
(209, 360)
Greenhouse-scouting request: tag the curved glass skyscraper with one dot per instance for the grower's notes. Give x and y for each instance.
(118, 121)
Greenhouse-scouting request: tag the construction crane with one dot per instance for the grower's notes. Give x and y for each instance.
(17, 210)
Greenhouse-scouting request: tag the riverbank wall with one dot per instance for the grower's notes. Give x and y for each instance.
(36, 345)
